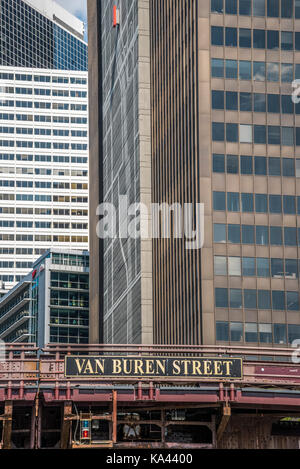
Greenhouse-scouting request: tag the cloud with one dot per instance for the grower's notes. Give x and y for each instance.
(76, 7)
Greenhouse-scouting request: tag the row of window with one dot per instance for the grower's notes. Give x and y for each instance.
(43, 211)
(43, 184)
(253, 102)
(43, 171)
(43, 105)
(256, 267)
(43, 92)
(259, 235)
(44, 198)
(257, 71)
(275, 300)
(43, 78)
(270, 8)
(258, 165)
(256, 38)
(42, 225)
(43, 131)
(259, 203)
(253, 332)
(44, 158)
(44, 145)
(259, 134)
(43, 238)
(41, 118)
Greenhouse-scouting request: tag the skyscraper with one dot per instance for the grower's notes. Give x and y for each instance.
(44, 134)
(225, 132)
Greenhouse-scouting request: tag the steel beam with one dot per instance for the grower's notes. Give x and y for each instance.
(7, 425)
(224, 421)
(66, 426)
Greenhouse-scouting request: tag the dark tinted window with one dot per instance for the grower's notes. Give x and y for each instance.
(259, 38)
(245, 37)
(217, 33)
(273, 39)
(231, 37)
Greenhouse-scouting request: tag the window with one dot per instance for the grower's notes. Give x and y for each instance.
(217, 36)
(217, 99)
(273, 71)
(293, 332)
(259, 134)
(231, 69)
(234, 234)
(232, 164)
(265, 333)
(233, 201)
(277, 270)
(251, 332)
(259, 102)
(245, 70)
(292, 301)
(259, 38)
(245, 133)
(220, 265)
(273, 8)
(231, 37)
(247, 203)
(231, 132)
(259, 8)
(250, 301)
(236, 332)
(222, 331)
(276, 236)
(290, 236)
(288, 168)
(221, 295)
(231, 7)
(287, 136)
(275, 204)
(291, 268)
(217, 68)
(247, 234)
(264, 299)
(273, 39)
(287, 42)
(245, 37)
(246, 165)
(274, 167)
(219, 233)
(245, 101)
(289, 205)
(236, 298)
(231, 101)
(297, 8)
(286, 73)
(218, 163)
(279, 333)
(263, 267)
(278, 300)
(249, 267)
(259, 71)
(260, 165)
(273, 135)
(245, 7)
(297, 40)
(219, 201)
(234, 266)
(218, 131)
(262, 235)
(287, 105)
(298, 168)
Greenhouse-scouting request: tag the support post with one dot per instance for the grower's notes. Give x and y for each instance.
(224, 421)
(66, 426)
(114, 416)
(163, 428)
(7, 425)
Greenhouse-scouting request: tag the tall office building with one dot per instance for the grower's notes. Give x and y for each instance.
(44, 134)
(225, 131)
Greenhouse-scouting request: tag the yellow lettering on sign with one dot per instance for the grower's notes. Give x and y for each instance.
(176, 367)
(79, 367)
(207, 367)
(88, 368)
(196, 368)
(227, 364)
(162, 365)
(218, 368)
(117, 367)
(99, 364)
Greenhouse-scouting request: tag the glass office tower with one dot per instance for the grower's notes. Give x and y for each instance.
(43, 135)
(225, 131)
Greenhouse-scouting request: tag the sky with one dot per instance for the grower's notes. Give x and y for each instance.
(77, 7)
